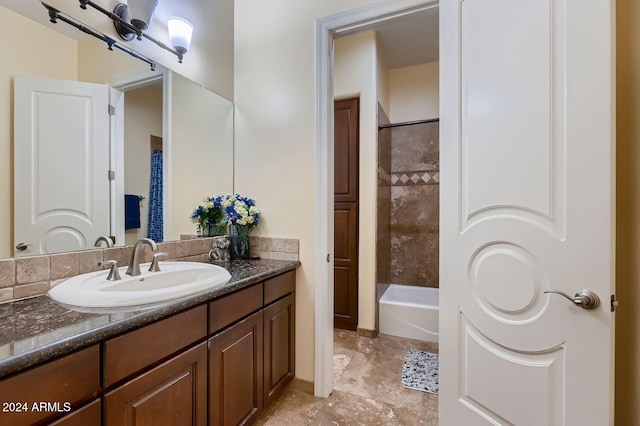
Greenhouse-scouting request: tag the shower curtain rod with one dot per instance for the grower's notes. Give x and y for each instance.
(408, 123)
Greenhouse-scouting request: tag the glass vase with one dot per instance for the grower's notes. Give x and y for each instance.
(213, 230)
(239, 241)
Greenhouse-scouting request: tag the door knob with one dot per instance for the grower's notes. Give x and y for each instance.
(586, 299)
(22, 246)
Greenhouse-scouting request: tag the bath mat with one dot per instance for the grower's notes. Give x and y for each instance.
(420, 371)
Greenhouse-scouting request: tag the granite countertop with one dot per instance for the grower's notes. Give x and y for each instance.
(36, 330)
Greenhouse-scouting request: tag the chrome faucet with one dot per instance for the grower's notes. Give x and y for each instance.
(134, 262)
(114, 274)
(107, 240)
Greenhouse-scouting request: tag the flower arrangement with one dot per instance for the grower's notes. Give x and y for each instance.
(214, 213)
(240, 210)
(210, 216)
(242, 215)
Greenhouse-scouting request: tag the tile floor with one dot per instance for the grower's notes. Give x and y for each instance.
(368, 391)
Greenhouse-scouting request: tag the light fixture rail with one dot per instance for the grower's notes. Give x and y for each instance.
(131, 28)
(55, 15)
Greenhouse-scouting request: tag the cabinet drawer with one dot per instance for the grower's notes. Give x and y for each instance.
(131, 352)
(231, 308)
(71, 379)
(276, 287)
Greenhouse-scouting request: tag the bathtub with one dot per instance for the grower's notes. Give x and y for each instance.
(408, 311)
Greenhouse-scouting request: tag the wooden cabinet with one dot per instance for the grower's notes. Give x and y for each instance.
(235, 373)
(276, 287)
(219, 363)
(90, 414)
(132, 352)
(279, 347)
(235, 306)
(252, 360)
(173, 393)
(51, 390)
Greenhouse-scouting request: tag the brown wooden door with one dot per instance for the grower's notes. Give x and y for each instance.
(173, 393)
(235, 373)
(279, 347)
(346, 166)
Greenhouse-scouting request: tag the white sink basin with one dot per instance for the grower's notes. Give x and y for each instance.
(175, 280)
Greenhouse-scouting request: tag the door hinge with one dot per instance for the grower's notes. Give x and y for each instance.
(614, 303)
(112, 175)
(112, 110)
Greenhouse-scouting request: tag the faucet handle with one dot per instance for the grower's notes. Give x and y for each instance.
(114, 274)
(155, 266)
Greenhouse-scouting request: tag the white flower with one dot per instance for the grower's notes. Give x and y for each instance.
(248, 219)
(241, 221)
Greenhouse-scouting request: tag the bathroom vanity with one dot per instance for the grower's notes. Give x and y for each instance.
(215, 358)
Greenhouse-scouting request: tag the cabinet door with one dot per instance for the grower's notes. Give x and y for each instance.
(43, 393)
(235, 373)
(279, 346)
(173, 393)
(90, 414)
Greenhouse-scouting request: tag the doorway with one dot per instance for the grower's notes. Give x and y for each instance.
(143, 154)
(327, 29)
(132, 148)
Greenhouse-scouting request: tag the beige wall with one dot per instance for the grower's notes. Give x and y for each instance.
(383, 82)
(628, 213)
(98, 65)
(200, 153)
(56, 59)
(414, 93)
(275, 94)
(143, 117)
(355, 75)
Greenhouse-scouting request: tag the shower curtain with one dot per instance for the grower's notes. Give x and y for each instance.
(155, 198)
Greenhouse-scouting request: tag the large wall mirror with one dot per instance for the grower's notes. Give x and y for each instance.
(160, 116)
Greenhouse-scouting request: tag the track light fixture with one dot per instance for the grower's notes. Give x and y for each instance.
(133, 19)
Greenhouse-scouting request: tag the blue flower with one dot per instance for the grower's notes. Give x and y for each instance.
(240, 210)
(210, 212)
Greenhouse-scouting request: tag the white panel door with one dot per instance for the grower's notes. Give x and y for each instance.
(61, 161)
(527, 202)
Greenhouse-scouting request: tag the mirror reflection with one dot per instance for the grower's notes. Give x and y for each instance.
(164, 123)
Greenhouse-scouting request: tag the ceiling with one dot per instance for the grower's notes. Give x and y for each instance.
(409, 40)
(403, 41)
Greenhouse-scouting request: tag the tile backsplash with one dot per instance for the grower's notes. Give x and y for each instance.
(28, 276)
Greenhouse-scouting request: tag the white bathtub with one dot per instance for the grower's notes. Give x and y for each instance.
(408, 311)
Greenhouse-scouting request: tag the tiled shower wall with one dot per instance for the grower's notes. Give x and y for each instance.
(413, 182)
(383, 228)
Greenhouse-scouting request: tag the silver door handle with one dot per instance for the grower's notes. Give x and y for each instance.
(586, 299)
